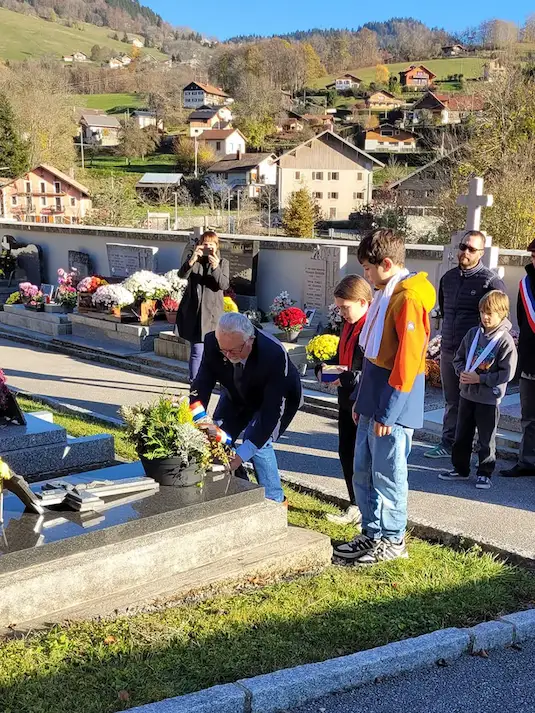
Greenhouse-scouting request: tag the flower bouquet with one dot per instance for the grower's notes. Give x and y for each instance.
(171, 448)
(322, 348)
(291, 321)
(170, 307)
(66, 296)
(112, 299)
(229, 305)
(177, 285)
(280, 303)
(32, 297)
(334, 319)
(86, 289)
(147, 288)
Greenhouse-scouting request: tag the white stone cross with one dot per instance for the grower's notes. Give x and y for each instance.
(474, 202)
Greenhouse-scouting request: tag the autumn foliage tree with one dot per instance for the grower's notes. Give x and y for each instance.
(301, 214)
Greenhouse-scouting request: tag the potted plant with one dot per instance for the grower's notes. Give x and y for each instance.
(147, 288)
(322, 348)
(170, 307)
(112, 299)
(171, 448)
(15, 298)
(32, 297)
(86, 289)
(291, 320)
(280, 302)
(66, 296)
(229, 305)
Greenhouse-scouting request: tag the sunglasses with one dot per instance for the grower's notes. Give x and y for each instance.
(463, 247)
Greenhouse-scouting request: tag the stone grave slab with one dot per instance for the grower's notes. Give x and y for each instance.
(243, 268)
(134, 336)
(170, 346)
(41, 447)
(124, 260)
(63, 558)
(50, 323)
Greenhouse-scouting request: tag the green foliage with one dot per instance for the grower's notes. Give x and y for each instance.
(301, 215)
(256, 131)
(13, 151)
(14, 299)
(137, 142)
(164, 429)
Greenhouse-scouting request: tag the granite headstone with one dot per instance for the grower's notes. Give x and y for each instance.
(29, 258)
(81, 262)
(243, 264)
(124, 260)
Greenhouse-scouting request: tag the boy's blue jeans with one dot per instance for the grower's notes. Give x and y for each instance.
(380, 480)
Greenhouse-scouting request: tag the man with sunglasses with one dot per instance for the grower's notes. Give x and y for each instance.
(261, 393)
(459, 293)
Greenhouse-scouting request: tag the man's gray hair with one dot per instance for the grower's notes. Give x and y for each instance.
(234, 322)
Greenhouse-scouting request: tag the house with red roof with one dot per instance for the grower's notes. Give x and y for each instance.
(416, 76)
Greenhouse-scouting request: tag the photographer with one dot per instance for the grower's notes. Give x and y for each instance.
(201, 306)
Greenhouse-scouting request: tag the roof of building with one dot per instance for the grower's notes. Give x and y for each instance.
(337, 137)
(447, 155)
(159, 179)
(218, 134)
(101, 120)
(450, 47)
(205, 112)
(455, 102)
(143, 112)
(418, 66)
(384, 93)
(231, 162)
(349, 76)
(208, 88)
(56, 172)
(401, 135)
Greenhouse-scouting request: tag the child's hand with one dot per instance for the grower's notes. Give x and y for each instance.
(469, 377)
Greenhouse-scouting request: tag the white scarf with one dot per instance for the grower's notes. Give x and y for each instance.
(372, 332)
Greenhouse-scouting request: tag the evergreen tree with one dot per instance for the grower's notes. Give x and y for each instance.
(301, 215)
(13, 151)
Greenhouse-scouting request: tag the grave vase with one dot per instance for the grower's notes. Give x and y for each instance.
(147, 312)
(171, 472)
(171, 316)
(291, 335)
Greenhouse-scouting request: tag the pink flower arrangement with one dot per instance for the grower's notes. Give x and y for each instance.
(67, 278)
(27, 290)
(66, 295)
(90, 284)
(169, 304)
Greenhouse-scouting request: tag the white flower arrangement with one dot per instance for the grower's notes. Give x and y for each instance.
(146, 285)
(113, 296)
(334, 318)
(177, 284)
(280, 303)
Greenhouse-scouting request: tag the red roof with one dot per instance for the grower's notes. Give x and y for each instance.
(216, 134)
(419, 66)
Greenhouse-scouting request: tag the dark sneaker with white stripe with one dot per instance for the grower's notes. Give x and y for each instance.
(383, 551)
(354, 549)
(483, 482)
(452, 475)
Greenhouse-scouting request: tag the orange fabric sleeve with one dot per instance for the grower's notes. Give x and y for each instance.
(412, 327)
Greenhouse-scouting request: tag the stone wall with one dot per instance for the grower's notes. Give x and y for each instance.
(280, 264)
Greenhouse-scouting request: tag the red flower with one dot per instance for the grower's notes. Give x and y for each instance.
(291, 318)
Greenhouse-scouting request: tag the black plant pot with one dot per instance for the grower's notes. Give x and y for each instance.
(171, 471)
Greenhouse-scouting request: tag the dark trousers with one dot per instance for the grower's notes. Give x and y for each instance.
(526, 456)
(195, 358)
(450, 388)
(347, 435)
(485, 418)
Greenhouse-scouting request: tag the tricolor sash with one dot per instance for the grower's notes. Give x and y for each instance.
(472, 365)
(528, 300)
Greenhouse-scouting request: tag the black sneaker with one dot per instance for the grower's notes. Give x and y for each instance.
(483, 482)
(383, 551)
(452, 475)
(354, 549)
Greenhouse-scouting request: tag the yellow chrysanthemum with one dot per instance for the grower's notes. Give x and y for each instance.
(323, 347)
(229, 305)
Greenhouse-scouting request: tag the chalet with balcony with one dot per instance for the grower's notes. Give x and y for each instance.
(252, 170)
(444, 108)
(196, 95)
(224, 141)
(417, 77)
(345, 83)
(209, 117)
(44, 195)
(389, 138)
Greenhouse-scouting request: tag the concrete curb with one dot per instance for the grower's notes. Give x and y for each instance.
(283, 690)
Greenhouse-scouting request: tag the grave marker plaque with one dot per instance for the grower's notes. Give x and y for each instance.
(124, 260)
(243, 264)
(81, 262)
(323, 271)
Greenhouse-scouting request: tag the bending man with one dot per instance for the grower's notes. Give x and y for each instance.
(261, 393)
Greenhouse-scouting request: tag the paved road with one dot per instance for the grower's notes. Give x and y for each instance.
(503, 516)
(504, 682)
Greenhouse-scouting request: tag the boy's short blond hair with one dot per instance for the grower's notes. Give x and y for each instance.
(495, 301)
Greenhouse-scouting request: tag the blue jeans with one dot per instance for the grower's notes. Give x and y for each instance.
(380, 480)
(195, 358)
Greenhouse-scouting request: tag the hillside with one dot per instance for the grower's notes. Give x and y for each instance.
(23, 36)
(471, 67)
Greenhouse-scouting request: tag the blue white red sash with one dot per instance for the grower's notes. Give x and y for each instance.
(528, 300)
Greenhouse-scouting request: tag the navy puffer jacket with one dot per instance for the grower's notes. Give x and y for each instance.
(459, 293)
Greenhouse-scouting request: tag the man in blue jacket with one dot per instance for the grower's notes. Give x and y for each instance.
(261, 393)
(459, 293)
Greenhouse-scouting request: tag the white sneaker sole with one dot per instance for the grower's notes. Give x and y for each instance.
(481, 486)
(447, 478)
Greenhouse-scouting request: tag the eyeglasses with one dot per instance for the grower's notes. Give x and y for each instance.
(233, 352)
(463, 247)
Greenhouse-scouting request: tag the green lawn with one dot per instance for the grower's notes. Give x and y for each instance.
(471, 67)
(111, 665)
(22, 36)
(158, 163)
(112, 103)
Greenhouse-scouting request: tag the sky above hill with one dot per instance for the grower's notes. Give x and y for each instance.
(224, 20)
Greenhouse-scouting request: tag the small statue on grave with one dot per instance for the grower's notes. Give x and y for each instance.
(19, 487)
(10, 412)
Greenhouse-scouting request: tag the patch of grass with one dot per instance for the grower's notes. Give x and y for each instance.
(112, 103)
(24, 36)
(108, 164)
(471, 67)
(107, 666)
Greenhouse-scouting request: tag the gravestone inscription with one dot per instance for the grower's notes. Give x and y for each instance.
(243, 264)
(323, 270)
(81, 262)
(124, 260)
